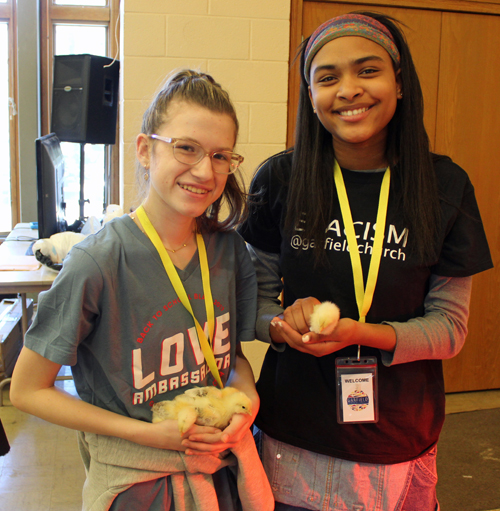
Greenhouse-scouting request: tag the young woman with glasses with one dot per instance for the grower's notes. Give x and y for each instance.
(154, 304)
(362, 214)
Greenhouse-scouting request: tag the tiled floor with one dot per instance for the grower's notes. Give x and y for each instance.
(43, 471)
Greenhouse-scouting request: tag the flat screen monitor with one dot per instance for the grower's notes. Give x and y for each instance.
(50, 186)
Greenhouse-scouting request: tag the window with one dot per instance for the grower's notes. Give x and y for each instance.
(77, 27)
(9, 210)
(5, 192)
(81, 2)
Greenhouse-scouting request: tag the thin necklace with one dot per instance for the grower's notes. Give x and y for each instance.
(166, 248)
(183, 245)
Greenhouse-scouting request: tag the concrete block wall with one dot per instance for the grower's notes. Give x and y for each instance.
(243, 44)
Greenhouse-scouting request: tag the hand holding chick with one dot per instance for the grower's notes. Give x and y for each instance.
(311, 327)
(205, 406)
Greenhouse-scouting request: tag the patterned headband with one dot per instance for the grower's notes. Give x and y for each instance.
(349, 25)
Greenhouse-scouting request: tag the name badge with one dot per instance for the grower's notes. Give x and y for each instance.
(357, 399)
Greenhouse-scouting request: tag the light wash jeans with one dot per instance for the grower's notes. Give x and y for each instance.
(302, 480)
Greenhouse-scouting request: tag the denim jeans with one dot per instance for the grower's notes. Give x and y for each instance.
(302, 480)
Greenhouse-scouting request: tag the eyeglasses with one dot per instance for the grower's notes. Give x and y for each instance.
(191, 153)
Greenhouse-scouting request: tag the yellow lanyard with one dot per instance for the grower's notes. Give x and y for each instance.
(364, 296)
(181, 292)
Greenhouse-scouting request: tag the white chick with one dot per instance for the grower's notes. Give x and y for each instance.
(205, 406)
(325, 314)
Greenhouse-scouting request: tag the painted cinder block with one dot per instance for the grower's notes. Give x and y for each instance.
(198, 7)
(263, 9)
(269, 40)
(243, 114)
(147, 74)
(250, 81)
(145, 35)
(208, 37)
(268, 123)
(133, 112)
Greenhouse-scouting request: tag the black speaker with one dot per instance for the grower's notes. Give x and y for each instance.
(85, 98)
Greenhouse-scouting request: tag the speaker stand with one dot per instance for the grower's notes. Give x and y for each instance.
(82, 200)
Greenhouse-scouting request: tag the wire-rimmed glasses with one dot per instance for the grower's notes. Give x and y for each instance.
(191, 153)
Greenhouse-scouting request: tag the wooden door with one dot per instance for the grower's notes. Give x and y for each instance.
(453, 54)
(467, 129)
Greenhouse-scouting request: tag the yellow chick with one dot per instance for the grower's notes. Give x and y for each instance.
(325, 314)
(205, 406)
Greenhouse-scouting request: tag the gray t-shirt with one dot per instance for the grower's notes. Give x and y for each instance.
(114, 316)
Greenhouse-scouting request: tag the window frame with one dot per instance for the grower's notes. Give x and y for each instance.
(8, 14)
(52, 14)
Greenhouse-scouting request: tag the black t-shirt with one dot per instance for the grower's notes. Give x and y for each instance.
(297, 390)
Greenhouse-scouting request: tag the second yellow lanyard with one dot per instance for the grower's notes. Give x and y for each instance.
(364, 295)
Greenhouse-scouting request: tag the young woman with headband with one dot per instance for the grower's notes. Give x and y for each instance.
(362, 214)
(156, 303)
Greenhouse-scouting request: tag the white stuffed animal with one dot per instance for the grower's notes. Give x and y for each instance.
(52, 251)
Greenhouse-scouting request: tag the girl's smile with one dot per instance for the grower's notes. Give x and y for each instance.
(354, 113)
(193, 189)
